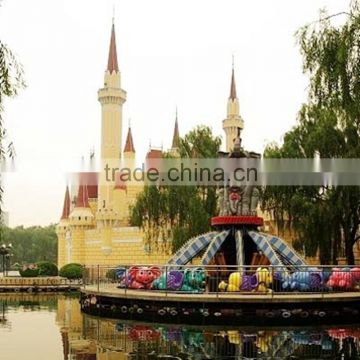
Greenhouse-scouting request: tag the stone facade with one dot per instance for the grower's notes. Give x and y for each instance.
(93, 245)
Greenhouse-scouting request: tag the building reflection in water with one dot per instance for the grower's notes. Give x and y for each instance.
(70, 321)
(89, 338)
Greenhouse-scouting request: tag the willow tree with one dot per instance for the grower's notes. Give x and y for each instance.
(329, 125)
(11, 80)
(313, 211)
(169, 215)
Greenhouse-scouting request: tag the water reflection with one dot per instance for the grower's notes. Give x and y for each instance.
(147, 341)
(52, 327)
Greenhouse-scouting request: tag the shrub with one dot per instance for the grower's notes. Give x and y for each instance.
(29, 270)
(72, 271)
(47, 268)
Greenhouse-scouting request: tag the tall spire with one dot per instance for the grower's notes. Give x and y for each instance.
(129, 144)
(112, 61)
(82, 198)
(233, 124)
(176, 136)
(233, 85)
(66, 208)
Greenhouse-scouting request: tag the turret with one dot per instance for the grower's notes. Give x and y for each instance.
(233, 124)
(62, 229)
(81, 219)
(128, 154)
(111, 98)
(129, 150)
(91, 180)
(81, 214)
(176, 138)
(64, 221)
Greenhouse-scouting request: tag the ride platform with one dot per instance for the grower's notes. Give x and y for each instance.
(221, 307)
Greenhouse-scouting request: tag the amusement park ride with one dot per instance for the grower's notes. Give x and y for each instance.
(236, 236)
(242, 275)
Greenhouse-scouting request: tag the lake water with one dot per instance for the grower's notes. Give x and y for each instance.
(51, 327)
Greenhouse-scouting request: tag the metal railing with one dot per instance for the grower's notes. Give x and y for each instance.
(17, 281)
(216, 279)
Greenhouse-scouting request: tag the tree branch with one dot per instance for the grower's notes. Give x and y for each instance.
(331, 16)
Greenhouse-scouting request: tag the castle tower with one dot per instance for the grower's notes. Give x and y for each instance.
(81, 219)
(176, 138)
(123, 188)
(63, 228)
(128, 154)
(233, 124)
(129, 150)
(111, 98)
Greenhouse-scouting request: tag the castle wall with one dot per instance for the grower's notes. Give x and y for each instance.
(124, 199)
(77, 243)
(61, 249)
(127, 248)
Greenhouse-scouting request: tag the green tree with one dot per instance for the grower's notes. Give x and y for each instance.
(325, 217)
(33, 244)
(173, 214)
(11, 80)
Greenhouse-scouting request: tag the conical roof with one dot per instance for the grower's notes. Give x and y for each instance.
(112, 61)
(66, 208)
(129, 144)
(233, 86)
(82, 199)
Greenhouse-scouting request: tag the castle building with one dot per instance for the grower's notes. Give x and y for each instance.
(94, 228)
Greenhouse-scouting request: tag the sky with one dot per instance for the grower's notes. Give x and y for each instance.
(171, 54)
